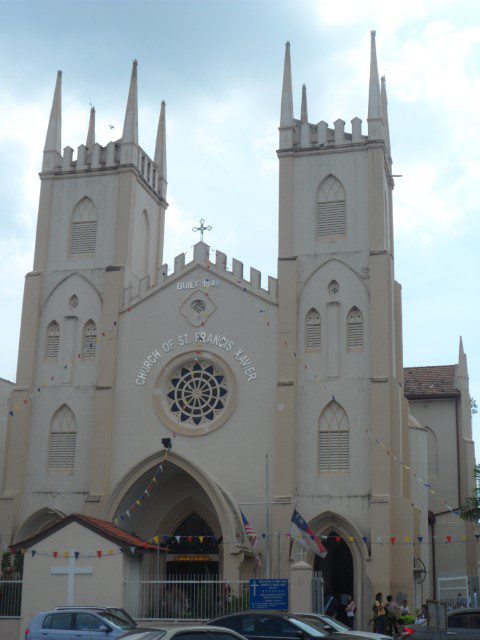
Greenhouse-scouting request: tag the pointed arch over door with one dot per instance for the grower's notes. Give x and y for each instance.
(333, 439)
(84, 228)
(331, 209)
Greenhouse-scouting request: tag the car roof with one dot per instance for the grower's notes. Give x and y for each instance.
(280, 614)
(464, 610)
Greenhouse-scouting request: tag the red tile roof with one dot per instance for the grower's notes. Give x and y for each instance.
(102, 527)
(430, 382)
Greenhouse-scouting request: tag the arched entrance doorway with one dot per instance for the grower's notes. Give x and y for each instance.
(188, 512)
(337, 570)
(193, 549)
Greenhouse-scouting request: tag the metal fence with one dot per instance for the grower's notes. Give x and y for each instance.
(184, 597)
(10, 596)
(458, 590)
(318, 597)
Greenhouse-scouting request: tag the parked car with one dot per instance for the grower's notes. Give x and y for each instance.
(183, 633)
(332, 625)
(69, 623)
(280, 626)
(463, 624)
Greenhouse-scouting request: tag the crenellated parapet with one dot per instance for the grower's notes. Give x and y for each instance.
(125, 152)
(139, 288)
(307, 135)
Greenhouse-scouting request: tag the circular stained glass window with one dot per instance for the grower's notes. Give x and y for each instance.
(197, 393)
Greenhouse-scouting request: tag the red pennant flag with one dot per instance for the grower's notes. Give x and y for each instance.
(25, 401)
(55, 554)
(337, 538)
(189, 538)
(99, 553)
(392, 540)
(449, 539)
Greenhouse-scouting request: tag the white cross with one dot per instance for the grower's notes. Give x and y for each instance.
(70, 571)
(254, 586)
(301, 553)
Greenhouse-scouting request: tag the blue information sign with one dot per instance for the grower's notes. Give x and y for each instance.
(271, 595)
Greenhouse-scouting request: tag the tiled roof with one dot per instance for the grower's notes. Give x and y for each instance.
(102, 527)
(430, 382)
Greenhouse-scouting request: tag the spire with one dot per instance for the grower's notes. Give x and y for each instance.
(462, 370)
(130, 124)
(91, 130)
(53, 141)
(304, 108)
(386, 129)
(374, 106)
(160, 158)
(286, 113)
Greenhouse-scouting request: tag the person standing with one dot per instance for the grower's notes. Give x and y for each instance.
(405, 609)
(391, 611)
(350, 611)
(331, 605)
(379, 613)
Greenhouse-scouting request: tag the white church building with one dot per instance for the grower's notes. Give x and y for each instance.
(297, 379)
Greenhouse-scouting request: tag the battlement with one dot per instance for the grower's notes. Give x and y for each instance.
(140, 288)
(306, 135)
(112, 156)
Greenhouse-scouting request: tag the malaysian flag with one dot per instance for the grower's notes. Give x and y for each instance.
(251, 536)
(301, 533)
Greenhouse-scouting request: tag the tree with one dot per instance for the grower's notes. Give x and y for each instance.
(470, 510)
(473, 406)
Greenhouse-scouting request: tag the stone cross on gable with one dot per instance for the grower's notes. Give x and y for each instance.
(71, 571)
(202, 228)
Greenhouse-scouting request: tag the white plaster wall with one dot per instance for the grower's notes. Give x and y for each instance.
(5, 389)
(234, 454)
(42, 591)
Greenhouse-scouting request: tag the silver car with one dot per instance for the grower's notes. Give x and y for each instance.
(330, 625)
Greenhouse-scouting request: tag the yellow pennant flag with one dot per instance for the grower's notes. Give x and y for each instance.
(351, 538)
(406, 539)
(110, 552)
(201, 539)
(66, 554)
(155, 539)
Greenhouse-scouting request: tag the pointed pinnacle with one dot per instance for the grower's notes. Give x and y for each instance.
(91, 130)
(53, 140)
(130, 124)
(286, 112)
(304, 108)
(160, 157)
(374, 109)
(384, 105)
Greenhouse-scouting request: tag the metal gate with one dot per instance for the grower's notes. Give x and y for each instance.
(317, 593)
(455, 591)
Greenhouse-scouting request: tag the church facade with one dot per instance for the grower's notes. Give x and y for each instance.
(170, 400)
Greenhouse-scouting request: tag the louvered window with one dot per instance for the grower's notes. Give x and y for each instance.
(89, 343)
(333, 439)
(53, 341)
(312, 331)
(331, 210)
(354, 330)
(84, 228)
(63, 436)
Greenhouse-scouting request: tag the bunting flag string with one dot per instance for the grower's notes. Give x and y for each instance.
(138, 502)
(161, 543)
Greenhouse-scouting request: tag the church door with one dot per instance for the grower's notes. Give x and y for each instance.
(193, 549)
(337, 571)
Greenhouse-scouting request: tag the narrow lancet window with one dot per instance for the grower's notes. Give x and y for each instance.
(312, 331)
(355, 330)
(63, 436)
(331, 210)
(89, 340)
(53, 341)
(333, 439)
(84, 228)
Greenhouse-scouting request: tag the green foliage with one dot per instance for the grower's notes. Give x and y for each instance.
(470, 510)
(473, 406)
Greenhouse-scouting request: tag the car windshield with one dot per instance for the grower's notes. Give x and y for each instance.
(119, 622)
(325, 620)
(311, 626)
(122, 614)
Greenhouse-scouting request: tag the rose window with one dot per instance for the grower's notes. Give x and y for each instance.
(197, 393)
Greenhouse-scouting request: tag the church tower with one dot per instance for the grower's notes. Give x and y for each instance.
(100, 230)
(340, 343)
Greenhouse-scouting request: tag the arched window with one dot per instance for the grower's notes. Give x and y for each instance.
(84, 228)
(331, 211)
(89, 340)
(312, 331)
(63, 435)
(354, 330)
(53, 341)
(333, 439)
(432, 454)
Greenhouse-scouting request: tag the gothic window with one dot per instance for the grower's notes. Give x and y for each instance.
(432, 454)
(84, 228)
(331, 211)
(73, 302)
(333, 439)
(333, 288)
(53, 341)
(312, 331)
(89, 340)
(354, 330)
(63, 435)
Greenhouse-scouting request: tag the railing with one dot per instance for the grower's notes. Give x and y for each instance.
(317, 592)
(184, 598)
(10, 597)
(459, 590)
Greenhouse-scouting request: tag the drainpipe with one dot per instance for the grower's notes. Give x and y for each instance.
(431, 521)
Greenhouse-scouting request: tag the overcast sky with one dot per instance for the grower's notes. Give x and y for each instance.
(218, 65)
